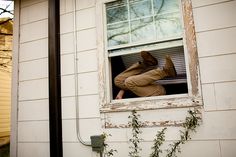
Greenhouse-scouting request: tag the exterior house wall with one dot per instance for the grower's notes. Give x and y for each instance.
(215, 29)
(5, 101)
(33, 129)
(5, 78)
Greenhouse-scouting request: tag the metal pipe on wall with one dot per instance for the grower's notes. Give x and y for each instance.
(54, 78)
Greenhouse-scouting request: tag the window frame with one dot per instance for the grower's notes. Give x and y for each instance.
(191, 99)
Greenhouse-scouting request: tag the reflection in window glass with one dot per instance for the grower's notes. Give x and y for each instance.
(142, 30)
(117, 14)
(140, 9)
(168, 25)
(131, 21)
(165, 6)
(118, 34)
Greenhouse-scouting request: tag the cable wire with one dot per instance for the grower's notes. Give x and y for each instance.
(76, 79)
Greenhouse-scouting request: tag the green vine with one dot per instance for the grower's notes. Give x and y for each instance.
(158, 141)
(108, 152)
(135, 140)
(190, 124)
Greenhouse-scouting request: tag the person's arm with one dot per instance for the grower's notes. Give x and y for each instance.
(120, 94)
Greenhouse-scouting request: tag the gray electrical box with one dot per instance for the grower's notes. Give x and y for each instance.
(97, 143)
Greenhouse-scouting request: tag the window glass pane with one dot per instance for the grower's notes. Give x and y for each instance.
(131, 21)
(117, 14)
(140, 9)
(165, 6)
(168, 25)
(142, 30)
(118, 34)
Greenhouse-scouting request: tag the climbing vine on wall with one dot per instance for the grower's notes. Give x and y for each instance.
(135, 140)
(108, 152)
(189, 126)
(158, 141)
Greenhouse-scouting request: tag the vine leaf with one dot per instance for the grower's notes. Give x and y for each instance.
(135, 140)
(108, 152)
(158, 141)
(190, 124)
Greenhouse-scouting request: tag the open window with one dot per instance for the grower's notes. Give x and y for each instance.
(161, 27)
(145, 25)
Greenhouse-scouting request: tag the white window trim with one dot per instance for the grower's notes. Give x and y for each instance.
(192, 99)
(15, 81)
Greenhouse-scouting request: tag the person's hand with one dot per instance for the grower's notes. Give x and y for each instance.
(120, 94)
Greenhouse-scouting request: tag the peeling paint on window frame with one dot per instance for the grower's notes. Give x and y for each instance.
(192, 99)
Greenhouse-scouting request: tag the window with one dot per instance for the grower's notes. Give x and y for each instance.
(142, 21)
(161, 27)
(136, 25)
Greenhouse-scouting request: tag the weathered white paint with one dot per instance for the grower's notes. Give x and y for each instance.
(14, 83)
(33, 131)
(193, 98)
(30, 13)
(65, 19)
(34, 69)
(29, 33)
(38, 110)
(228, 149)
(67, 43)
(220, 16)
(221, 69)
(212, 43)
(33, 149)
(33, 50)
(204, 3)
(215, 27)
